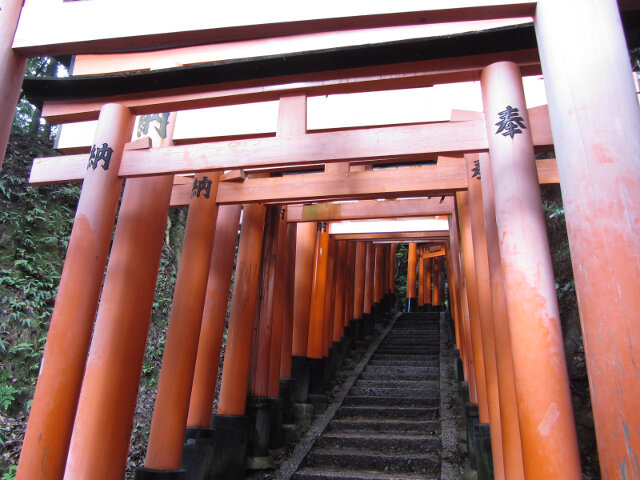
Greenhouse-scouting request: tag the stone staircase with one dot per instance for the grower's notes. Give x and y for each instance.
(388, 425)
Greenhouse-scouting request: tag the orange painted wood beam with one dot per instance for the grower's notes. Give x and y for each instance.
(369, 209)
(402, 237)
(352, 80)
(402, 143)
(200, 22)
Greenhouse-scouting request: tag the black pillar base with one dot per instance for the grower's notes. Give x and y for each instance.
(457, 365)
(229, 447)
(150, 474)
(360, 326)
(317, 380)
(276, 436)
(330, 365)
(287, 394)
(300, 371)
(259, 413)
(484, 457)
(347, 339)
(412, 305)
(378, 314)
(463, 390)
(471, 413)
(338, 354)
(197, 453)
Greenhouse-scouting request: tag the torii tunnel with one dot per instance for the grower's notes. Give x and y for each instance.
(332, 135)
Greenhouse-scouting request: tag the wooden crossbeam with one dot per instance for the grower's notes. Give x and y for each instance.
(352, 80)
(397, 236)
(369, 209)
(402, 143)
(57, 28)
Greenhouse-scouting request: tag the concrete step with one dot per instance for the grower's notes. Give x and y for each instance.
(418, 427)
(368, 412)
(424, 357)
(419, 401)
(394, 392)
(388, 369)
(324, 473)
(388, 442)
(409, 384)
(394, 375)
(374, 460)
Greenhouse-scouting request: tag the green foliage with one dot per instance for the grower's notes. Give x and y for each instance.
(10, 474)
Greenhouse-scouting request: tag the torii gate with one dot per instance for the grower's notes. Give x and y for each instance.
(501, 267)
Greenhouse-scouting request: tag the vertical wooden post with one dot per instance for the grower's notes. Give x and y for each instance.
(279, 306)
(213, 317)
(287, 329)
(339, 302)
(316, 314)
(428, 283)
(392, 270)
(411, 278)
(11, 69)
(481, 263)
(329, 298)
(261, 349)
(231, 424)
(359, 280)
(368, 290)
(421, 281)
(349, 283)
(44, 450)
(435, 285)
(102, 428)
(235, 373)
(378, 283)
(178, 361)
(595, 128)
(547, 427)
(466, 242)
(305, 250)
(511, 446)
(260, 408)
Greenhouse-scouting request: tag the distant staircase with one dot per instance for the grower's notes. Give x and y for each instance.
(388, 425)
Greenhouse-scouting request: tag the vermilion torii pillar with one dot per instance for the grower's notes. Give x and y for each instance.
(11, 69)
(287, 383)
(481, 263)
(421, 281)
(595, 122)
(196, 453)
(305, 251)
(316, 313)
(178, 361)
(230, 424)
(547, 428)
(102, 428)
(428, 282)
(511, 445)
(213, 317)
(411, 277)
(259, 405)
(368, 291)
(475, 336)
(44, 450)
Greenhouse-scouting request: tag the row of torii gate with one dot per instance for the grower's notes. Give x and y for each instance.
(295, 278)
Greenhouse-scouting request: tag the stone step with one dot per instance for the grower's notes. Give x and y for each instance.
(409, 384)
(374, 460)
(388, 442)
(394, 375)
(435, 358)
(365, 412)
(387, 369)
(394, 392)
(419, 401)
(324, 473)
(418, 427)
